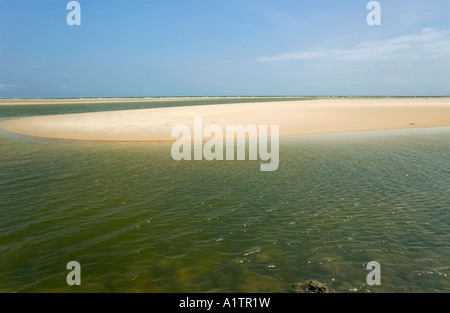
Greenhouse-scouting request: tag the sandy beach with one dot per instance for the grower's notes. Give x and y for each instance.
(316, 116)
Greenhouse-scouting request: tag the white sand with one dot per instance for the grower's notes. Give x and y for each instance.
(293, 117)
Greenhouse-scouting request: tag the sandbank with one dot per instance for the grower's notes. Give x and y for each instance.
(316, 116)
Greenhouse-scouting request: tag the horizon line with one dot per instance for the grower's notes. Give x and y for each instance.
(236, 96)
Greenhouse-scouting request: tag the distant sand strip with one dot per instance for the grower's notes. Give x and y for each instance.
(293, 117)
(37, 101)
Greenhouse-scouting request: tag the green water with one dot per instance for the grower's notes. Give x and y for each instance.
(137, 221)
(49, 109)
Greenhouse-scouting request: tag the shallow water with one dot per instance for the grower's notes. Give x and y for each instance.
(138, 221)
(49, 109)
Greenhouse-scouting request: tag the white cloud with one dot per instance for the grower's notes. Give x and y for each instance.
(7, 86)
(293, 56)
(276, 17)
(429, 43)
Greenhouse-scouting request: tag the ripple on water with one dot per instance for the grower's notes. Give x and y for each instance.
(138, 221)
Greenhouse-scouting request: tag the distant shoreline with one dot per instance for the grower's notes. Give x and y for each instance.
(303, 117)
(93, 100)
(46, 101)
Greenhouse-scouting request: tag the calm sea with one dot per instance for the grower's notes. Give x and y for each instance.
(138, 221)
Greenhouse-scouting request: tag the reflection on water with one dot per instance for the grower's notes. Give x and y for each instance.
(138, 221)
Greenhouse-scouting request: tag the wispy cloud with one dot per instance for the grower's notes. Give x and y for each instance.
(275, 17)
(294, 56)
(4, 87)
(429, 43)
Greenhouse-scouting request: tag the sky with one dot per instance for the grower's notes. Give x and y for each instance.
(153, 48)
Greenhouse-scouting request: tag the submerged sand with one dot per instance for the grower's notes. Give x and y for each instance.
(293, 117)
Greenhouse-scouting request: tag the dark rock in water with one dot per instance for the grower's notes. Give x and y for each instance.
(311, 286)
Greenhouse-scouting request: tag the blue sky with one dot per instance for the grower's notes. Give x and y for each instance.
(126, 48)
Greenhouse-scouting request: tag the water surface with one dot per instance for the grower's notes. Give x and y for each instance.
(138, 221)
